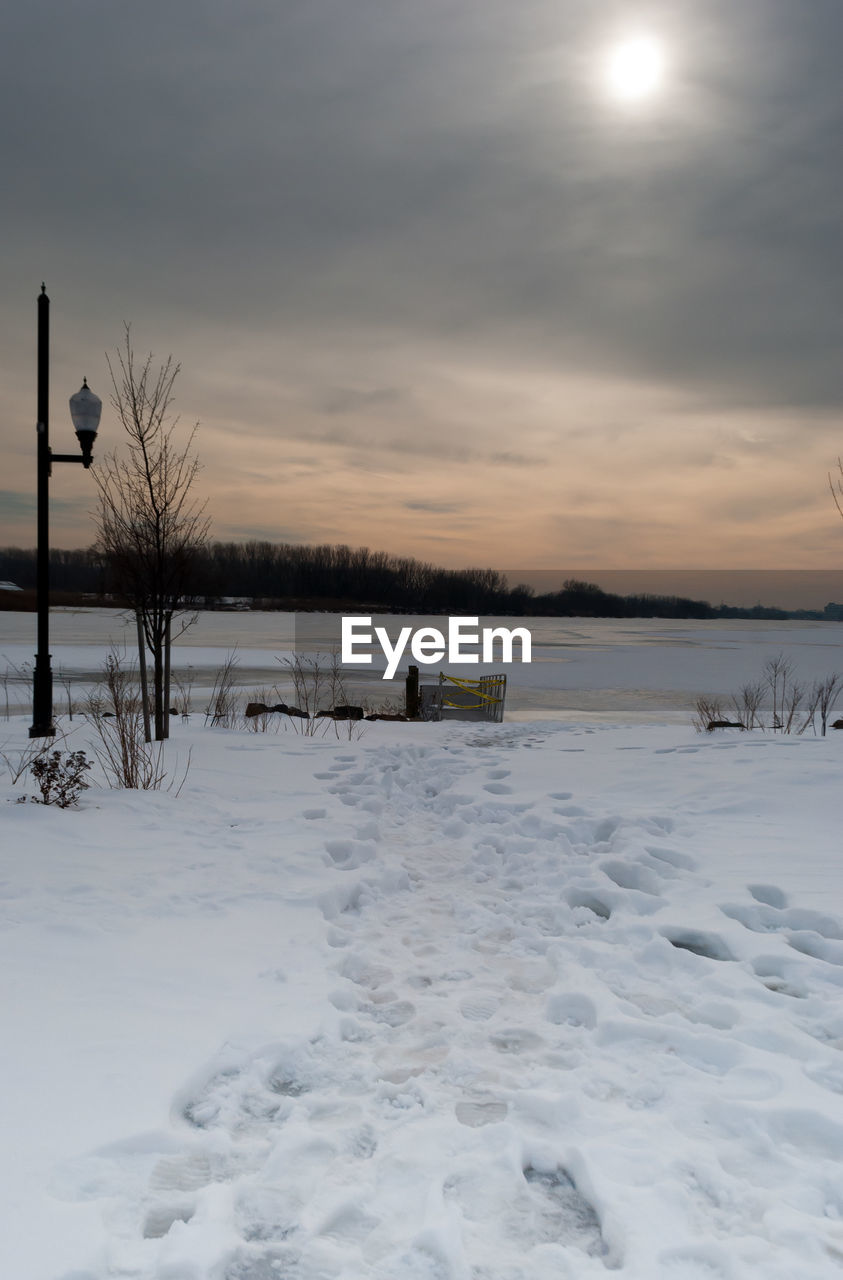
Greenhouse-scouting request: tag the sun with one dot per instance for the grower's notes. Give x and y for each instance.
(635, 69)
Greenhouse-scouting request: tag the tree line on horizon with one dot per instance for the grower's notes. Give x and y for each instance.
(286, 575)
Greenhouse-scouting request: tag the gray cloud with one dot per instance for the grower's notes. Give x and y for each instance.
(435, 508)
(430, 167)
(509, 458)
(342, 400)
(16, 505)
(281, 182)
(254, 533)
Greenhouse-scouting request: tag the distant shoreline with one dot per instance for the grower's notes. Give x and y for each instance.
(590, 603)
(302, 578)
(787, 589)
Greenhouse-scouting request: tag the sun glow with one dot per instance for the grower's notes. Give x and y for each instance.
(635, 69)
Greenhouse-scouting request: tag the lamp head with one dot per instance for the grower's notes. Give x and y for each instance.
(85, 410)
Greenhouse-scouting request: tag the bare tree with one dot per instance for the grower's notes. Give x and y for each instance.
(150, 527)
(836, 487)
(708, 711)
(747, 703)
(778, 671)
(791, 705)
(823, 697)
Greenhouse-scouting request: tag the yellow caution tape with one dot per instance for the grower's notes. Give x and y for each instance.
(473, 686)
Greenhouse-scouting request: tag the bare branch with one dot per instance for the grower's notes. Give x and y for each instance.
(837, 493)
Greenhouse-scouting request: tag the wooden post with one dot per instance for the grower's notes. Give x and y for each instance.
(147, 730)
(412, 707)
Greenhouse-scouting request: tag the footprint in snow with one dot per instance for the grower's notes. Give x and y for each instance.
(632, 875)
(228, 1104)
(275, 1263)
(363, 1143)
(350, 854)
(506, 1214)
(515, 1040)
(160, 1218)
(673, 858)
(479, 1008)
(781, 976)
(252, 1095)
(760, 918)
(568, 1008)
(561, 1213)
(709, 945)
(365, 973)
(395, 1014)
(813, 944)
(769, 894)
(584, 900)
(172, 1187)
(261, 1216)
(479, 1113)
(285, 1086)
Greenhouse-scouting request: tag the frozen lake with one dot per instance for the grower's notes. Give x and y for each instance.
(608, 670)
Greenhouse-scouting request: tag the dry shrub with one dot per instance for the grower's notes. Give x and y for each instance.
(115, 712)
(61, 780)
(707, 710)
(221, 711)
(264, 720)
(319, 685)
(778, 702)
(183, 684)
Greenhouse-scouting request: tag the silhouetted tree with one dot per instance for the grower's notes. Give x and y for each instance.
(150, 529)
(836, 486)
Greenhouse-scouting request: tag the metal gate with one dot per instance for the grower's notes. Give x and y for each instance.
(454, 698)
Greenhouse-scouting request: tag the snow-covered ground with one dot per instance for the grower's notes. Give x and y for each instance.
(531, 1001)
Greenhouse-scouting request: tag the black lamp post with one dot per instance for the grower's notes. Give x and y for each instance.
(85, 410)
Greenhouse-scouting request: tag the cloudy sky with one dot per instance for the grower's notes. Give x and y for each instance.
(435, 287)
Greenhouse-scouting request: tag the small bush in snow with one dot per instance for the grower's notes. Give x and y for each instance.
(60, 781)
(115, 712)
(318, 687)
(222, 710)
